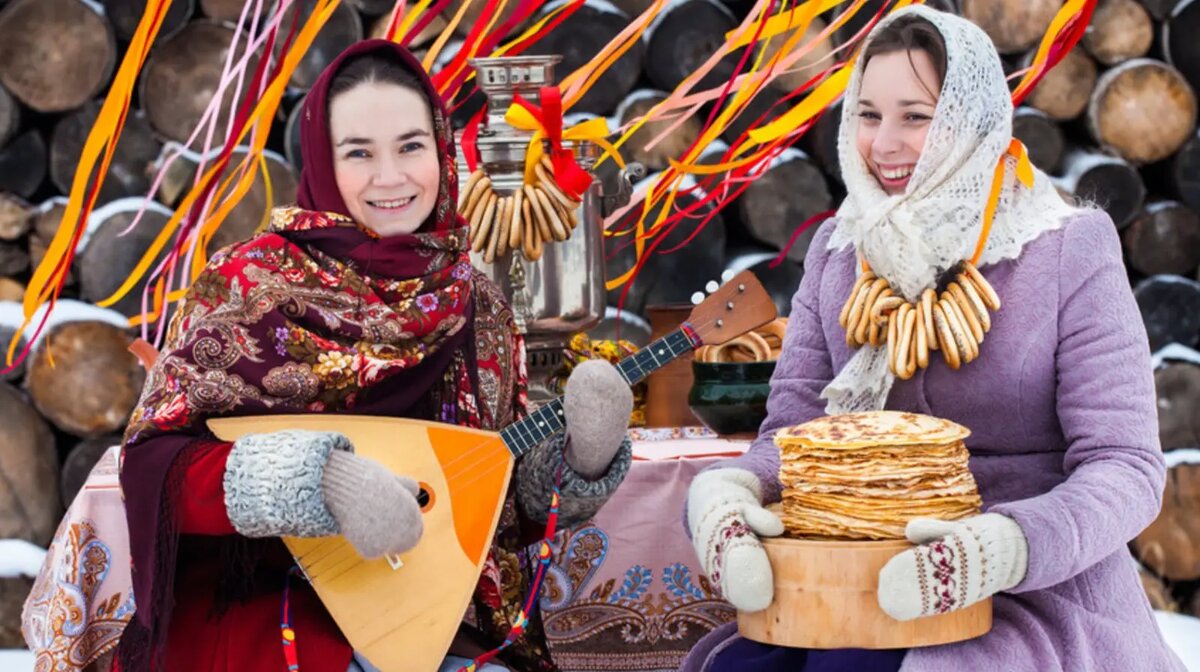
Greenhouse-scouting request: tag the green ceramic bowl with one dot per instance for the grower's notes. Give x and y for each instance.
(730, 397)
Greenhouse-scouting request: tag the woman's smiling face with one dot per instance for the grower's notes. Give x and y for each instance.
(385, 158)
(896, 102)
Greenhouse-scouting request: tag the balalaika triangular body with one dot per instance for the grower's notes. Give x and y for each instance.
(402, 613)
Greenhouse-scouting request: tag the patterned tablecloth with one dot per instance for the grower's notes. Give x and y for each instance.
(625, 591)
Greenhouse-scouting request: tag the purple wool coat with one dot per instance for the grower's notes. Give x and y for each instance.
(1064, 439)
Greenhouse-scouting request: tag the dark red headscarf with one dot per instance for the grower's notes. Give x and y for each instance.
(318, 190)
(316, 315)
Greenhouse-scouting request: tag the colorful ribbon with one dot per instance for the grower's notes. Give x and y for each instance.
(544, 556)
(545, 122)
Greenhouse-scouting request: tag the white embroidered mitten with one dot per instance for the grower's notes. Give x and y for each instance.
(955, 565)
(725, 514)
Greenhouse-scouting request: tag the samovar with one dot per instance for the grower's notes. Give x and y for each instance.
(563, 292)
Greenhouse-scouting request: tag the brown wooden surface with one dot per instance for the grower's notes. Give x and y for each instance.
(1065, 90)
(372, 7)
(45, 224)
(1159, 9)
(94, 382)
(29, 502)
(1157, 592)
(1170, 546)
(222, 10)
(55, 54)
(825, 598)
(111, 255)
(474, 14)
(1120, 30)
(683, 39)
(49, 217)
(579, 40)
(1177, 388)
(1013, 25)
(869, 10)
(1164, 239)
(16, 217)
(10, 116)
(125, 15)
(1042, 137)
(14, 258)
(821, 141)
(810, 65)
(249, 215)
(342, 29)
(667, 388)
(180, 79)
(23, 163)
(13, 591)
(6, 335)
(380, 25)
(1170, 308)
(1142, 109)
(785, 196)
(1107, 181)
(655, 159)
(11, 290)
(79, 464)
(766, 106)
(1184, 173)
(131, 169)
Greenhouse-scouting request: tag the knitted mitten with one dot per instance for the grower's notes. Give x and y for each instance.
(725, 514)
(300, 483)
(955, 565)
(597, 404)
(376, 511)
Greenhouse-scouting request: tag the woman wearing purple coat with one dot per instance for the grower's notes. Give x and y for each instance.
(1060, 399)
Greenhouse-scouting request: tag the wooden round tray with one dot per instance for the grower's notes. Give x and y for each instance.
(825, 598)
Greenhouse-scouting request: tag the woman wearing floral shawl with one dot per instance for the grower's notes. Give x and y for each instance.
(360, 300)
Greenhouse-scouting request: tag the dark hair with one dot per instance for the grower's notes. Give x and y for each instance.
(372, 67)
(909, 33)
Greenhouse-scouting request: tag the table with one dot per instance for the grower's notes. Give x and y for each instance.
(625, 591)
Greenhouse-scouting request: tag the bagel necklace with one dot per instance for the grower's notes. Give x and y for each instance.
(953, 321)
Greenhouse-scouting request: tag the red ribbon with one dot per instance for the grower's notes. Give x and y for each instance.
(567, 174)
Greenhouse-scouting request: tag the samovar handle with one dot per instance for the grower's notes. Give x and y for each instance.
(611, 201)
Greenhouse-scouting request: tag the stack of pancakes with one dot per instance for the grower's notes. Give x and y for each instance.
(865, 475)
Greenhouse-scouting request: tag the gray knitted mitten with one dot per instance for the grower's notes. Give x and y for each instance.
(377, 511)
(302, 483)
(597, 404)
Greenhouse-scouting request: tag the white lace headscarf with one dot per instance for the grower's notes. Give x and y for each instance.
(911, 238)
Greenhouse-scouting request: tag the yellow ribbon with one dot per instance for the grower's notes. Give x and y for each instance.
(1024, 175)
(782, 22)
(592, 130)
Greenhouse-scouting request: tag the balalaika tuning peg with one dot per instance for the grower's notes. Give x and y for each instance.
(697, 298)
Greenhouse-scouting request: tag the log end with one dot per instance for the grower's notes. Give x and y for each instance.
(1143, 109)
(55, 55)
(29, 502)
(1013, 25)
(1170, 546)
(1120, 30)
(1064, 92)
(94, 383)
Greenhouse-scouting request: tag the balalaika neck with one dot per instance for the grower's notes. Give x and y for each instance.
(549, 420)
